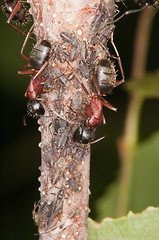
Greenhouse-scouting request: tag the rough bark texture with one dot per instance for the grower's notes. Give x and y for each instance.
(62, 211)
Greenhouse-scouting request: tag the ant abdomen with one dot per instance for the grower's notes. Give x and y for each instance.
(40, 54)
(106, 76)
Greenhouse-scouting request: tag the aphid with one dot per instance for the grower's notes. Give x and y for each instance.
(38, 57)
(49, 212)
(74, 181)
(83, 68)
(83, 50)
(35, 108)
(84, 135)
(43, 215)
(69, 38)
(96, 24)
(57, 209)
(16, 12)
(59, 53)
(73, 54)
(58, 170)
(62, 133)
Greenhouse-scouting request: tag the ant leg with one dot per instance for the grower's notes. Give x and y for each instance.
(15, 10)
(107, 104)
(119, 82)
(40, 70)
(96, 84)
(24, 44)
(103, 119)
(19, 31)
(118, 58)
(127, 13)
(97, 140)
(31, 71)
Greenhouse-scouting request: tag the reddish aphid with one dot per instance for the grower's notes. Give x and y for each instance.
(16, 12)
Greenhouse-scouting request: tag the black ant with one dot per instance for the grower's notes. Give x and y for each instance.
(143, 3)
(84, 135)
(16, 12)
(38, 57)
(35, 108)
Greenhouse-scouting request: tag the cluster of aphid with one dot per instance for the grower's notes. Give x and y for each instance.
(96, 66)
(95, 62)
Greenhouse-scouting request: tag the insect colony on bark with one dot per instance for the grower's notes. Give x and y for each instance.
(75, 121)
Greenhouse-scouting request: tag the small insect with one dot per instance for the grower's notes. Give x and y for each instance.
(69, 38)
(42, 217)
(59, 53)
(83, 68)
(35, 108)
(48, 213)
(73, 183)
(16, 12)
(38, 57)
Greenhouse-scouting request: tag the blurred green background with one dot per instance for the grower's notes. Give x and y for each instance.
(19, 152)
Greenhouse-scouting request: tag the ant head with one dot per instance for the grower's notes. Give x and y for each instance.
(35, 108)
(84, 134)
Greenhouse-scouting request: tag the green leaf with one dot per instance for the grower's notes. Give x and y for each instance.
(144, 190)
(148, 86)
(143, 226)
(145, 178)
(106, 205)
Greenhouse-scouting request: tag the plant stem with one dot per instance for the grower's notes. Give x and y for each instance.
(65, 163)
(128, 142)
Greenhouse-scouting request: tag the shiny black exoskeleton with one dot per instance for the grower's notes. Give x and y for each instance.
(40, 54)
(35, 108)
(84, 135)
(106, 76)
